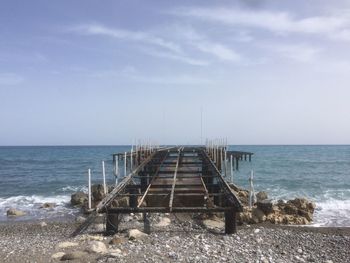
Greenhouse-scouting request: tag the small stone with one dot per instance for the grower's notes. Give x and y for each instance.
(57, 255)
(97, 247)
(73, 255)
(15, 212)
(136, 234)
(300, 251)
(116, 240)
(328, 261)
(67, 244)
(208, 223)
(80, 219)
(42, 224)
(256, 231)
(48, 205)
(164, 221)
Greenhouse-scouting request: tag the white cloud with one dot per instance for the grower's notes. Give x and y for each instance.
(296, 52)
(10, 79)
(176, 57)
(127, 35)
(277, 22)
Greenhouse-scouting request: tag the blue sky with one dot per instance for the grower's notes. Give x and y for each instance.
(263, 72)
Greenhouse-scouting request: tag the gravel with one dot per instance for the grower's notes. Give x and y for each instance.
(184, 240)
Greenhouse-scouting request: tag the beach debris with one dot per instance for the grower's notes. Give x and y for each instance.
(67, 244)
(97, 247)
(58, 255)
(73, 255)
(78, 198)
(135, 234)
(15, 212)
(47, 205)
(163, 222)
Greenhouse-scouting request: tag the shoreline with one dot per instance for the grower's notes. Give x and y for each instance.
(31, 241)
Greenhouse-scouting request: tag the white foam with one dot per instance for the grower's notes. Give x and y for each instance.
(332, 212)
(31, 205)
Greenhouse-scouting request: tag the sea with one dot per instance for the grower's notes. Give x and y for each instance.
(32, 175)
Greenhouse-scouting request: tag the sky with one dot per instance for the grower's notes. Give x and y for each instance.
(90, 72)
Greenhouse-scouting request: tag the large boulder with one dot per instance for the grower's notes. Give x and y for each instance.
(48, 205)
(78, 199)
(266, 206)
(258, 216)
(98, 192)
(303, 204)
(261, 196)
(120, 202)
(15, 212)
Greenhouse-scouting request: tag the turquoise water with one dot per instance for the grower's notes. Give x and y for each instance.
(33, 175)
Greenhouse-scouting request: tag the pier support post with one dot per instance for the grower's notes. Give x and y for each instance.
(230, 222)
(112, 224)
(146, 224)
(133, 197)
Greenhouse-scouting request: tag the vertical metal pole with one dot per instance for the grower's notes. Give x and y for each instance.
(104, 177)
(251, 192)
(131, 159)
(125, 164)
(89, 189)
(231, 168)
(116, 170)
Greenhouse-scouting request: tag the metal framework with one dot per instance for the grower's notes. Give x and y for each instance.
(172, 180)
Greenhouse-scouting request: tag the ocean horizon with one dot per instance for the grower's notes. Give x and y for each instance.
(32, 175)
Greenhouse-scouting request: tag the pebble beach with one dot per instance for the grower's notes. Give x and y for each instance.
(173, 238)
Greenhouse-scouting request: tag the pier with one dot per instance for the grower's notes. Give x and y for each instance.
(182, 179)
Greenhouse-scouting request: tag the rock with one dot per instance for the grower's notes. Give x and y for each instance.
(78, 198)
(258, 216)
(244, 217)
(308, 215)
(164, 221)
(57, 255)
(303, 204)
(290, 209)
(80, 219)
(116, 240)
(48, 205)
(209, 223)
(114, 252)
(67, 244)
(261, 196)
(42, 224)
(97, 192)
(15, 212)
(266, 206)
(73, 255)
(98, 227)
(97, 247)
(243, 196)
(136, 234)
(300, 251)
(256, 231)
(120, 202)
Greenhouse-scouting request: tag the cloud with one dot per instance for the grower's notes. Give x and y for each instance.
(172, 56)
(131, 74)
(295, 52)
(7, 79)
(276, 22)
(127, 35)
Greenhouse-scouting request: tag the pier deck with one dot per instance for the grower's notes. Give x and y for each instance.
(172, 180)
